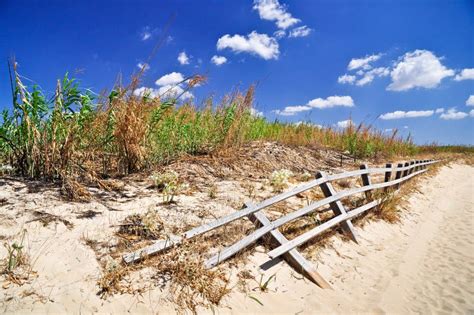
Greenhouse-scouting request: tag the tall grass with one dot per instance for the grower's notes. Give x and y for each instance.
(74, 133)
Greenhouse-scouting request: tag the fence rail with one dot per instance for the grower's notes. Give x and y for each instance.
(287, 248)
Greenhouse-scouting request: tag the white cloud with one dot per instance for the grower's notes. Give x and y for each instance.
(170, 79)
(254, 43)
(218, 60)
(291, 110)
(453, 114)
(146, 33)
(169, 86)
(470, 100)
(279, 34)
(409, 114)
(471, 113)
(308, 123)
(321, 103)
(272, 10)
(344, 123)
(301, 31)
(420, 68)
(331, 101)
(369, 76)
(439, 110)
(346, 78)
(174, 91)
(465, 74)
(143, 65)
(144, 91)
(167, 91)
(183, 58)
(255, 112)
(363, 63)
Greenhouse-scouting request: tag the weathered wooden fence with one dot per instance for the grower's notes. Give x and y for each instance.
(287, 248)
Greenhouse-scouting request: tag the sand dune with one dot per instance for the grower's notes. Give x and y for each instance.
(423, 265)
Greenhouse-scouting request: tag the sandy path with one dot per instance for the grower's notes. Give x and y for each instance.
(424, 265)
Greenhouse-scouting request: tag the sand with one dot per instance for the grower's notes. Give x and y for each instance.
(425, 264)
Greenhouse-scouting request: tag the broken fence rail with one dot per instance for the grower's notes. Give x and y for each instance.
(402, 173)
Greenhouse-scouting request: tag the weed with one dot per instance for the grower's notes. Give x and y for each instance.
(263, 285)
(279, 179)
(212, 191)
(169, 184)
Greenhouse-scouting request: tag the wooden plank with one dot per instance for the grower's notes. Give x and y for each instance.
(161, 245)
(299, 240)
(366, 181)
(257, 234)
(337, 207)
(292, 257)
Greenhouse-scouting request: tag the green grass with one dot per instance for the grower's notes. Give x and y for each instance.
(74, 134)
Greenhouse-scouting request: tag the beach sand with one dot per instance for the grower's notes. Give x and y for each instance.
(425, 264)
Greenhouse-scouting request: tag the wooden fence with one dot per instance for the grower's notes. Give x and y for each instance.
(287, 248)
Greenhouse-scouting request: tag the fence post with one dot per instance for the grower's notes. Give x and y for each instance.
(405, 172)
(337, 207)
(411, 165)
(388, 175)
(398, 174)
(366, 181)
(293, 257)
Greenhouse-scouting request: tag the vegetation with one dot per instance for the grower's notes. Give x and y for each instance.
(77, 135)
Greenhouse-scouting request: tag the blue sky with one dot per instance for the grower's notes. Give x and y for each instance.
(396, 64)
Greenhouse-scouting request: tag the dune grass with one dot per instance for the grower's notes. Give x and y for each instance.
(77, 134)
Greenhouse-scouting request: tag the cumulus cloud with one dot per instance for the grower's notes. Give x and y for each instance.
(470, 100)
(169, 86)
(254, 43)
(420, 68)
(344, 123)
(218, 60)
(320, 103)
(292, 110)
(363, 63)
(170, 79)
(272, 10)
(331, 101)
(465, 74)
(301, 31)
(183, 58)
(409, 114)
(346, 78)
(279, 34)
(144, 91)
(369, 76)
(471, 113)
(365, 74)
(307, 123)
(255, 112)
(453, 114)
(174, 91)
(439, 110)
(143, 65)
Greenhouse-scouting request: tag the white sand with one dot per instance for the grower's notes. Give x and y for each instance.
(425, 264)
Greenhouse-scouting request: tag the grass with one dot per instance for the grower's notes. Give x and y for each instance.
(77, 136)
